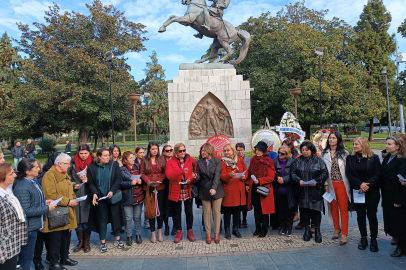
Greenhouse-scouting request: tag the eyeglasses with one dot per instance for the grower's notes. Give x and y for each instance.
(168, 151)
(182, 151)
(282, 154)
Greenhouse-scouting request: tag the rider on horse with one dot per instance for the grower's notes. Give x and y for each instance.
(215, 11)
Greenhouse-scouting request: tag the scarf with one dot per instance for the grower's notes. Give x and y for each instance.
(259, 166)
(103, 175)
(14, 202)
(231, 162)
(80, 164)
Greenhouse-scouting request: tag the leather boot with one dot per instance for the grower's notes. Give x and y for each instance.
(216, 238)
(398, 252)
(86, 241)
(373, 247)
(79, 246)
(257, 231)
(307, 234)
(236, 232)
(363, 243)
(227, 233)
(317, 234)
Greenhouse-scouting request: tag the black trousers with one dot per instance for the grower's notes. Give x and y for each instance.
(39, 245)
(261, 220)
(9, 264)
(285, 214)
(177, 214)
(59, 242)
(308, 214)
(227, 212)
(368, 209)
(161, 206)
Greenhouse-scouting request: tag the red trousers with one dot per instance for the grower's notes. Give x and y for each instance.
(339, 206)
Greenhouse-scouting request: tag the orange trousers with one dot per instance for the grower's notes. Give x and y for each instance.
(339, 206)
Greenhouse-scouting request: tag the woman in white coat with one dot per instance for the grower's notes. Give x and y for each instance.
(334, 155)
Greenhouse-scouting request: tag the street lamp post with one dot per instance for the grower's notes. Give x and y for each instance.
(384, 72)
(134, 99)
(109, 59)
(154, 111)
(400, 58)
(295, 93)
(146, 95)
(319, 52)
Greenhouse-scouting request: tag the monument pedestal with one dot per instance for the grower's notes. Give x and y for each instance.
(206, 100)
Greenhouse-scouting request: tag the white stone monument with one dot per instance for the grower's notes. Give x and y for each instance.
(216, 99)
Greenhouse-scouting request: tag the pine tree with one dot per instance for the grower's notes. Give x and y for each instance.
(375, 46)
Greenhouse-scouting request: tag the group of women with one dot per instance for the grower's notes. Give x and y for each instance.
(118, 187)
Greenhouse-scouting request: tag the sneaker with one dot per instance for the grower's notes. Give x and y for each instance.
(146, 224)
(282, 231)
(103, 247)
(289, 233)
(118, 244)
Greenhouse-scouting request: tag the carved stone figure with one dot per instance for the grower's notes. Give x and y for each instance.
(208, 21)
(210, 117)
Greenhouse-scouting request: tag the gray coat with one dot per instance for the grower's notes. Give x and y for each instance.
(18, 151)
(247, 161)
(83, 208)
(30, 200)
(208, 178)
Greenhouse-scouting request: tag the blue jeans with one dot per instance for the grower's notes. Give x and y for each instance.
(27, 252)
(30, 156)
(133, 212)
(82, 227)
(16, 161)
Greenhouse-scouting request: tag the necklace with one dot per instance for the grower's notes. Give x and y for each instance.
(359, 158)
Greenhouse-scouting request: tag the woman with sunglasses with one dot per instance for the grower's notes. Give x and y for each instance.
(181, 172)
(284, 189)
(153, 175)
(167, 154)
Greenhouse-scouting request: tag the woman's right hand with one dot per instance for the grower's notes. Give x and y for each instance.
(327, 188)
(302, 183)
(72, 203)
(134, 182)
(247, 188)
(95, 198)
(212, 192)
(52, 207)
(364, 187)
(232, 175)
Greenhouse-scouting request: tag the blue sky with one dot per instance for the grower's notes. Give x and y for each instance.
(177, 45)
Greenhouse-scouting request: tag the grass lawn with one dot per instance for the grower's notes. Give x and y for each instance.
(363, 134)
(374, 145)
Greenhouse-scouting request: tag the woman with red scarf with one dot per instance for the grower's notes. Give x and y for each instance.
(80, 162)
(263, 170)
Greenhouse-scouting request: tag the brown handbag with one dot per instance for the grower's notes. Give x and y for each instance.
(150, 210)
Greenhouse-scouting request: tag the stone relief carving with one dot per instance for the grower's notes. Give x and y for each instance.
(210, 117)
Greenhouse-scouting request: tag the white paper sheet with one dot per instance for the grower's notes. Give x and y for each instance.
(82, 173)
(238, 175)
(83, 198)
(401, 178)
(102, 198)
(329, 196)
(81, 184)
(57, 201)
(253, 177)
(135, 177)
(309, 182)
(358, 197)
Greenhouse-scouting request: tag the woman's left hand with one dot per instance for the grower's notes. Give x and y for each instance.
(403, 183)
(48, 202)
(77, 186)
(83, 178)
(256, 181)
(194, 175)
(110, 194)
(212, 192)
(280, 180)
(397, 205)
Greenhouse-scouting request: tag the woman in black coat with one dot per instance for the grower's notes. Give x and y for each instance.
(104, 179)
(394, 192)
(363, 172)
(305, 168)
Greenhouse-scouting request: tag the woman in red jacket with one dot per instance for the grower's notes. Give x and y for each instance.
(181, 172)
(153, 175)
(263, 169)
(234, 188)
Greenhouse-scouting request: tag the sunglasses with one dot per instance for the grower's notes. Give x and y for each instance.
(282, 154)
(182, 151)
(168, 151)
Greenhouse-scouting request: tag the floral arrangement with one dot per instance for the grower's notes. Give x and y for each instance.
(292, 136)
(289, 120)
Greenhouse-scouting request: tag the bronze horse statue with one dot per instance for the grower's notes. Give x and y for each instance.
(222, 32)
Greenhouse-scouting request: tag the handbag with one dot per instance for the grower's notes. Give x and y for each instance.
(59, 217)
(195, 191)
(150, 210)
(118, 196)
(263, 191)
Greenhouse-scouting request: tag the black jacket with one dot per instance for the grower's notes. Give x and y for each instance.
(208, 178)
(68, 148)
(18, 151)
(372, 174)
(30, 148)
(287, 179)
(126, 187)
(318, 172)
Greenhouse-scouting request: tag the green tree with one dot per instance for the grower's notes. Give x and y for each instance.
(282, 56)
(67, 75)
(375, 46)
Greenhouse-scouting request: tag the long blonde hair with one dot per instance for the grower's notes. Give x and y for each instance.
(366, 149)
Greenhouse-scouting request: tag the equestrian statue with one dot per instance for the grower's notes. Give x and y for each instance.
(208, 21)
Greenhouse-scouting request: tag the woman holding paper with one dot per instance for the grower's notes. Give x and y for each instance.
(104, 179)
(57, 186)
(133, 196)
(78, 174)
(334, 156)
(363, 172)
(32, 200)
(260, 174)
(394, 193)
(153, 175)
(234, 188)
(181, 172)
(310, 173)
